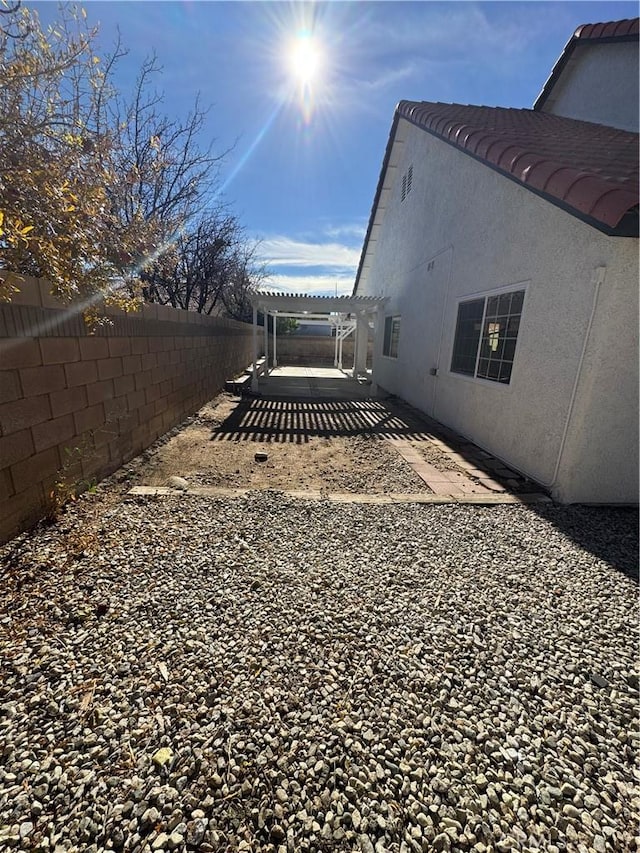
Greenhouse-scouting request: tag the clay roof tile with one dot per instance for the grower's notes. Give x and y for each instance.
(610, 29)
(588, 169)
(612, 206)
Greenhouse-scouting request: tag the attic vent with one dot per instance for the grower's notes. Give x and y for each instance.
(407, 180)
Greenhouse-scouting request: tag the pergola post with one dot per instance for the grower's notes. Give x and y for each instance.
(254, 378)
(356, 337)
(378, 331)
(340, 353)
(361, 343)
(275, 327)
(266, 343)
(335, 357)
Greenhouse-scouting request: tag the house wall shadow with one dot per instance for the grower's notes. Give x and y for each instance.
(609, 533)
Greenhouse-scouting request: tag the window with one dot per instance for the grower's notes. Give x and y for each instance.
(391, 336)
(486, 335)
(407, 181)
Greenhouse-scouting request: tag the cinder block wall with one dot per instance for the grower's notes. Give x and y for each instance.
(74, 406)
(314, 350)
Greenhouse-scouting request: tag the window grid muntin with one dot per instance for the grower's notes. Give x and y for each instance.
(501, 311)
(495, 358)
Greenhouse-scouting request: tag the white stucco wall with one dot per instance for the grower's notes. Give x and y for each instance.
(466, 230)
(599, 462)
(599, 84)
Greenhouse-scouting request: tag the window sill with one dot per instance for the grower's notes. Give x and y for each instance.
(477, 380)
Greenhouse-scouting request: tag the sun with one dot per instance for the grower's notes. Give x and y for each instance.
(305, 60)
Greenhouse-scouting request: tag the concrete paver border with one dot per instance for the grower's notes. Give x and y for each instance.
(488, 499)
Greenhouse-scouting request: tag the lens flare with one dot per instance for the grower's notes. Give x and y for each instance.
(305, 62)
(305, 59)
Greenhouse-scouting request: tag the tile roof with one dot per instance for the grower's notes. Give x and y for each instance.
(590, 170)
(612, 31)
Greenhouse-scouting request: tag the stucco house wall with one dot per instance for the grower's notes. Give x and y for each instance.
(599, 84)
(600, 457)
(466, 230)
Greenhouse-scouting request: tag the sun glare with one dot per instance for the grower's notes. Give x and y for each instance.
(302, 52)
(305, 60)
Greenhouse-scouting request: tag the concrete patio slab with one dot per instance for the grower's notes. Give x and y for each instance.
(316, 383)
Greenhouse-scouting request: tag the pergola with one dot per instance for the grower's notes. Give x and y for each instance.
(347, 314)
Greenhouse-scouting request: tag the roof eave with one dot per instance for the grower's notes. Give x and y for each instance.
(620, 229)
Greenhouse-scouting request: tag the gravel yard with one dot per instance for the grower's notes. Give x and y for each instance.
(263, 674)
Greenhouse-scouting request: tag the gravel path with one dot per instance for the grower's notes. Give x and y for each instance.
(268, 675)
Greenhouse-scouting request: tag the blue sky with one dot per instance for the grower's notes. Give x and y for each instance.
(306, 159)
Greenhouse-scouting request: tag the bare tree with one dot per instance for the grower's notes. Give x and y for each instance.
(249, 274)
(209, 268)
(166, 176)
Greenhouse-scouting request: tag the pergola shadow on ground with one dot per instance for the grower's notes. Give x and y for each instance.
(295, 404)
(284, 419)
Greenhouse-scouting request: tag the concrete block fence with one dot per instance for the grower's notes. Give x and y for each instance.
(76, 405)
(306, 350)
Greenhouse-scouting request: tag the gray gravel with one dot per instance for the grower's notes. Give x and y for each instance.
(267, 675)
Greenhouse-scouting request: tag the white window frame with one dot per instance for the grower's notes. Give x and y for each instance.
(485, 294)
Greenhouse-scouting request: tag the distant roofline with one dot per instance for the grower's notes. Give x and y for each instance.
(613, 31)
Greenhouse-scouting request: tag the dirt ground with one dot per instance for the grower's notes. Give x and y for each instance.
(218, 448)
(434, 456)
